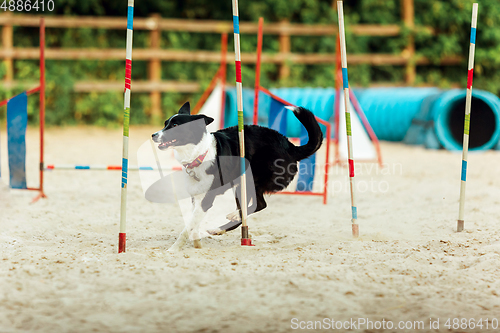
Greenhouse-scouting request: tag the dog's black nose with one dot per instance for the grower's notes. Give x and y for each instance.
(154, 135)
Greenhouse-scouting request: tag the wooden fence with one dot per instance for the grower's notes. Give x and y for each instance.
(155, 55)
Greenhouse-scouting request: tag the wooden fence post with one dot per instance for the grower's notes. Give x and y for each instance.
(285, 49)
(154, 72)
(7, 45)
(408, 16)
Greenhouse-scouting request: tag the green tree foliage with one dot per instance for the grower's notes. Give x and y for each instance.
(450, 19)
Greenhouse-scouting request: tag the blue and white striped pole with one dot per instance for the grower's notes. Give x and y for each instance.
(347, 103)
(470, 73)
(122, 238)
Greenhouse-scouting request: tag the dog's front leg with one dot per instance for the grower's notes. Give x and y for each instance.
(191, 230)
(195, 221)
(179, 243)
(184, 235)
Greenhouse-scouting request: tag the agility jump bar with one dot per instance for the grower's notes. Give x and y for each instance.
(106, 167)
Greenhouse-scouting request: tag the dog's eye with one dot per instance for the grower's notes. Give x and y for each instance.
(174, 125)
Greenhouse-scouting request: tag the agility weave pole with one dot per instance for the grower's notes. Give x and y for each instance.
(122, 238)
(357, 108)
(345, 80)
(468, 101)
(241, 130)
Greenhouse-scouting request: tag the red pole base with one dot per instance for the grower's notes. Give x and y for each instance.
(355, 230)
(38, 197)
(122, 239)
(246, 242)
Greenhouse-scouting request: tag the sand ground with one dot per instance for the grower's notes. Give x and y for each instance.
(60, 271)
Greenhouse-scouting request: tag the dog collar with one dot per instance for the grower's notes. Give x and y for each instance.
(196, 162)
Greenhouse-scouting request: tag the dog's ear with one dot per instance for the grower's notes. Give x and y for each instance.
(185, 109)
(208, 120)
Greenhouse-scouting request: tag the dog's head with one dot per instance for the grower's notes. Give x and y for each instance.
(182, 129)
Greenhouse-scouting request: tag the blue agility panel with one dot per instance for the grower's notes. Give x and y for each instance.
(305, 182)
(17, 119)
(277, 116)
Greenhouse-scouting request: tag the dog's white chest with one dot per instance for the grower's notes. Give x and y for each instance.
(196, 179)
(199, 181)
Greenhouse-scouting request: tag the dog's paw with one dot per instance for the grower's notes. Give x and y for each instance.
(234, 216)
(174, 248)
(197, 243)
(216, 232)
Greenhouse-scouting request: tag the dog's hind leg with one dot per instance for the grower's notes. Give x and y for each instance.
(235, 217)
(254, 207)
(261, 202)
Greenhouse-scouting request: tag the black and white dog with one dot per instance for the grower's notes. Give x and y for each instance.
(271, 157)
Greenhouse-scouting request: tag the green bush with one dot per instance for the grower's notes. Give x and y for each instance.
(450, 19)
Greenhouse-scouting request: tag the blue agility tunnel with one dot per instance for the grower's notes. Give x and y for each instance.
(390, 111)
(448, 117)
(425, 116)
(432, 117)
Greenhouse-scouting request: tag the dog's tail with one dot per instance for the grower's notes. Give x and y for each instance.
(307, 119)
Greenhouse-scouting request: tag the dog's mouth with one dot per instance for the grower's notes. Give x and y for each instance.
(166, 144)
